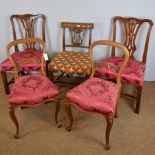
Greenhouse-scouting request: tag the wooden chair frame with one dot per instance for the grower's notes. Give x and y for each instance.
(16, 74)
(109, 116)
(132, 26)
(27, 21)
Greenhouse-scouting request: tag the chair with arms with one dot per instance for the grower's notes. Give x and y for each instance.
(24, 26)
(134, 71)
(97, 95)
(33, 89)
(75, 58)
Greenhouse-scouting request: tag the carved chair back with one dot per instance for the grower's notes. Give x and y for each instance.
(32, 41)
(131, 29)
(79, 35)
(28, 26)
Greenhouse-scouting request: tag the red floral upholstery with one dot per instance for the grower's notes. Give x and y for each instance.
(95, 95)
(133, 73)
(18, 56)
(31, 90)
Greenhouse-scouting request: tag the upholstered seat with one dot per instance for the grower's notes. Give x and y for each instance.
(96, 95)
(38, 85)
(132, 74)
(20, 56)
(71, 63)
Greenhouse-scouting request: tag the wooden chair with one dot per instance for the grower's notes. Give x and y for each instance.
(134, 71)
(23, 26)
(30, 90)
(75, 57)
(97, 95)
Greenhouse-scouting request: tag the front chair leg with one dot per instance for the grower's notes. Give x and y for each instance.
(14, 119)
(109, 120)
(57, 109)
(69, 114)
(139, 92)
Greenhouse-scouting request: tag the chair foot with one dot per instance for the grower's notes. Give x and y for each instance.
(58, 125)
(68, 128)
(16, 136)
(107, 147)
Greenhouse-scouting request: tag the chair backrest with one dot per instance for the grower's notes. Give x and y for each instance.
(80, 35)
(115, 45)
(28, 26)
(15, 64)
(131, 28)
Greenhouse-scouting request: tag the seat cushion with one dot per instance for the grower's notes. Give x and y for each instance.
(133, 73)
(18, 56)
(95, 95)
(31, 90)
(71, 63)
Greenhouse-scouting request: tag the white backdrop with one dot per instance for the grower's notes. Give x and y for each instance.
(99, 12)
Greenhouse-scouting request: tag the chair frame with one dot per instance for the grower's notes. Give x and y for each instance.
(75, 28)
(16, 74)
(27, 21)
(131, 28)
(109, 117)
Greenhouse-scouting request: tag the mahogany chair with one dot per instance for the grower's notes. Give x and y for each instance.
(33, 89)
(135, 69)
(24, 26)
(97, 95)
(74, 59)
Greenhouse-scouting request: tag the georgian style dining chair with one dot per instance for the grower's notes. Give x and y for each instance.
(24, 26)
(33, 89)
(134, 71)
(75, 58)
(97, 95)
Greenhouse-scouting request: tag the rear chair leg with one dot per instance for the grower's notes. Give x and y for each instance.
(57, 109)
(69, 114)
(14, 119)
(5, 82)
(109, 120)
(139, 92)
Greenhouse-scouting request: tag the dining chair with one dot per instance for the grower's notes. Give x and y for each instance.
(134, 72)
(33, 89)
(96, 95)
(23, 26)
(74, 58)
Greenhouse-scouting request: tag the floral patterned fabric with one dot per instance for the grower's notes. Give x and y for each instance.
(71, 63)
(95, 95)
(18, 56)
(31, 90)
(133, 73)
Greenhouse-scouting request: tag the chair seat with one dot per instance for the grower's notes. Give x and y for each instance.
(133, 73)
(71, 63)
(19, 56)
(95, 95)
(31, 90)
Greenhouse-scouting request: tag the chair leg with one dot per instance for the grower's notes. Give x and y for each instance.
(14, 119)
(109, 120)
(5, 82)
(69, 114)
(139, 92)
(57, 109)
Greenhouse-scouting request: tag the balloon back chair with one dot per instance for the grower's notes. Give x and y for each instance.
(134, 71)
(74, 60)
(97, 95)
(33, 89)
(24, 26)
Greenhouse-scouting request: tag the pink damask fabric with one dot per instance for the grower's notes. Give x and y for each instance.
(31, 90)
(133, 73)
(95, 95)
(18, 56)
